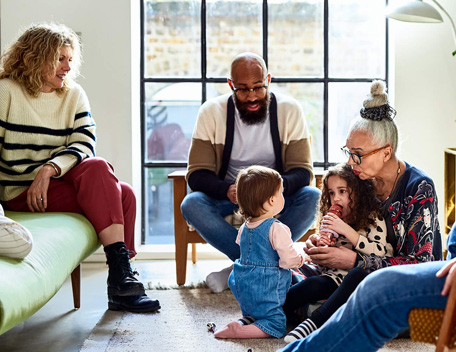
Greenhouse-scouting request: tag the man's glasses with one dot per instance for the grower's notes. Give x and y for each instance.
(244, 92)
(356, 157)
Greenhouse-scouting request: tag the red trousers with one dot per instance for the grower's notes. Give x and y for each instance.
(92, 189)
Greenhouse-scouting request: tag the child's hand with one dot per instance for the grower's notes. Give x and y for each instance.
(333, 222)
(307, 259)
(324, 240)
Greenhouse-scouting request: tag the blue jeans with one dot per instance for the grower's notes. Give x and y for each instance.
(378, 310)
(206, 215)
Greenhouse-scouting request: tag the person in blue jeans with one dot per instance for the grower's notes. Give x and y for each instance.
(261, 277)
(249, 126)
(378, 310)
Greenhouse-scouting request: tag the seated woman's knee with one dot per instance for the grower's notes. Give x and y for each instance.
(97, 165)
(127, 191)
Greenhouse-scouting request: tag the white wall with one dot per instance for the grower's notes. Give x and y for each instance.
(425, 93)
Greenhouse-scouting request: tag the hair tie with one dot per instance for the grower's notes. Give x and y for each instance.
(378, 113)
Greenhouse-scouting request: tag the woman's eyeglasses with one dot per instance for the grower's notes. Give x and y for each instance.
(356, 157)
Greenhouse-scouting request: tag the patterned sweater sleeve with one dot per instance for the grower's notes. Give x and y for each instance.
(81, 141)
(415, 222)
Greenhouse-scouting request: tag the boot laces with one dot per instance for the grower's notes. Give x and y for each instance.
(124, 263)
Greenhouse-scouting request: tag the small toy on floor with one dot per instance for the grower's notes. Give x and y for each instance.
(211, 326)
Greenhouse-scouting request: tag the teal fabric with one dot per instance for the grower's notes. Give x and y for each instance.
(61, 241)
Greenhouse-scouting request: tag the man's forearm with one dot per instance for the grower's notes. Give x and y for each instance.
(209, 183)
(295, 179)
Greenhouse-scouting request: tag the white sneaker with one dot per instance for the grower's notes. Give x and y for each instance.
(218, 280)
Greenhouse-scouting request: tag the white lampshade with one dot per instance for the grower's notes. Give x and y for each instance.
(414, 11)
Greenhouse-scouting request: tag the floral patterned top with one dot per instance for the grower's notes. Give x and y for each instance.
(412, 221)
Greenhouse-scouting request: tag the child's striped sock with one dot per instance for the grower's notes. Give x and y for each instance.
(246, 320)
(301, 331)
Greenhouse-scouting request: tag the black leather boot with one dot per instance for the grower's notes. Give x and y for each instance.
(135, 304)
(121, 280)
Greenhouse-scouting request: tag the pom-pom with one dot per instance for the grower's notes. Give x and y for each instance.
(378, 88)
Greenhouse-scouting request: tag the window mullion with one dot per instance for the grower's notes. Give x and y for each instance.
(203, 52)
(326, 82)
(265, 31)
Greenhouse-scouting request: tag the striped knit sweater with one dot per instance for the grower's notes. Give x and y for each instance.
(34, 131)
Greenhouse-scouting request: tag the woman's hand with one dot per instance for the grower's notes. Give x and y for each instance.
(450, 270)
(37, 192)
(333, 257)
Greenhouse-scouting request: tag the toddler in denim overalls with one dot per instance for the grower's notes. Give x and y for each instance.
(261, 277)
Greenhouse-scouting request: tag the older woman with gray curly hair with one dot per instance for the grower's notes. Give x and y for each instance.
(47, 152)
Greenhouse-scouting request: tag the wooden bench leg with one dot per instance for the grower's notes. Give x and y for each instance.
(76, 285)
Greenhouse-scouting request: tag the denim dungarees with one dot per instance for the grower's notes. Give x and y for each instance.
(258, 283)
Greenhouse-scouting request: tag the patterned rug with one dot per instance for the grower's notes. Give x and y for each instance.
(181, 325)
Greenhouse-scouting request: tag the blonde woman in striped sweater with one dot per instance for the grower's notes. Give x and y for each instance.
(47, 152)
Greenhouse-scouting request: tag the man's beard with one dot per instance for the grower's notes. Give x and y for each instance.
(253, 117)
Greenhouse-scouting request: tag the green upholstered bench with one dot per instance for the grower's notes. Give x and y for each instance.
(61, 241)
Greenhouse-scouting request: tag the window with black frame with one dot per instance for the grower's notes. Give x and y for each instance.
(324, 53)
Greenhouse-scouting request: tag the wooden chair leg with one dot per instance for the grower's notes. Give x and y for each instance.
(76, 285)
(194, 253)
(180, 229)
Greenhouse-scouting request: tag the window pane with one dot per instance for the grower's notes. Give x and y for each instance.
(233, 26)
(310, 96)
(216, 89)
(171, 110)
(357, 38)
(295, 38)
(159, 199)
(172, 42)
(345, 102)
